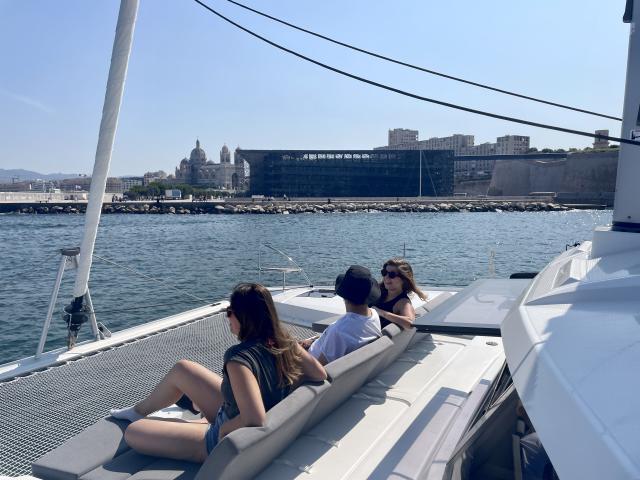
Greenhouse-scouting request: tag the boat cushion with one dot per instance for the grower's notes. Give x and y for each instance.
(347, 374)
(121, 467)
(400, 338)
(94, 446)
(165, 469)
(246, 451)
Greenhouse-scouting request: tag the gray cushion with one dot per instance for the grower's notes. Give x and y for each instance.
(121, 467)
(440, 299)
(92, 447)
(165, 469)
(400, 338)
(347, 374)
(246, 451)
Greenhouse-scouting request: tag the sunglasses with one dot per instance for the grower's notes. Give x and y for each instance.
(229, 312)
(389, 274)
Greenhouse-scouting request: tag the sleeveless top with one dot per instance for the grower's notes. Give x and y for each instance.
(388, 307)
(262, 364)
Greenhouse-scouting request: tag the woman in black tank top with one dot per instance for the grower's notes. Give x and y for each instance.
(258, 372)
(394, 305)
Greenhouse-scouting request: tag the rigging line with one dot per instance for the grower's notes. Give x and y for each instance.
(128, 309)
(152, 278)
(416, 96)
(433, 185)
(422, 69)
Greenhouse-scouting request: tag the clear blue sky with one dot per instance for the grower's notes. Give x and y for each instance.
(191, 75)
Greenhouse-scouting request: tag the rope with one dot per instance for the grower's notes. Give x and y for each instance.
(144, 275)
(422, 69)
(119, 310)
(419, 97)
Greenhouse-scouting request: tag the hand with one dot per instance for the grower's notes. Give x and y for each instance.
(306, 344)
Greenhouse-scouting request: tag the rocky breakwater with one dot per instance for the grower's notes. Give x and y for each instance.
(292, 207)
(295, 208)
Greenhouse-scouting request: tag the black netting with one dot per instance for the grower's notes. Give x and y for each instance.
(41, 411)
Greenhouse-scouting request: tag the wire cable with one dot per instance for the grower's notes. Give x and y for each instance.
(419, 97)
(422, 69)
(151, 278)
(141, 307)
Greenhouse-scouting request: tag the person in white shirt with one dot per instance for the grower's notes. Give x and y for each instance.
(359, 326)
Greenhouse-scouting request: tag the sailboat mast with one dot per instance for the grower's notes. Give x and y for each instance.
(108, 125)
(626, 212)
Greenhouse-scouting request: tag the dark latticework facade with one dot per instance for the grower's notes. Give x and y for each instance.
(349, 173)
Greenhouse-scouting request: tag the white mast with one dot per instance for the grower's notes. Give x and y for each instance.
(626, 213)
(108, 125)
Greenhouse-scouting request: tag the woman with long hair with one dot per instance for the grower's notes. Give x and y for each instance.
(397, 283)
(258, 372)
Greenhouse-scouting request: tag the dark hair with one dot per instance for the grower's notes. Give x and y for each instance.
(406, 274)
(253, 307)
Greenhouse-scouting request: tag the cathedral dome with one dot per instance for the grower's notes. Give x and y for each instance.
(225, 149)
(198, 154)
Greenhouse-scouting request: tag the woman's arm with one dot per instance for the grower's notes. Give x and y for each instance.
(403, 314)
(311, 368)
(247, 394)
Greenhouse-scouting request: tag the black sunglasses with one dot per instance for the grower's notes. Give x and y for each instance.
(391, 275)
(229, 311)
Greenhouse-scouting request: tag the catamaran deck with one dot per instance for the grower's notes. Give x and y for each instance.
(40, 411)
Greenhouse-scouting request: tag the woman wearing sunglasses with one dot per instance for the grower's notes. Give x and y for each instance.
(394, 305)
(258, 372)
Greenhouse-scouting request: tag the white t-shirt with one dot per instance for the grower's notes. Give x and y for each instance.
(348, 333)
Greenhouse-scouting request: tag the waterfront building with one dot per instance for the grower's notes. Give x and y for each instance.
(83, 184)
(29, 186)
(601, 143)
(401, 136)
(130, 182)
(462, 146)
(198, 171)
(349, 173)
(512, 145)
(150, 177)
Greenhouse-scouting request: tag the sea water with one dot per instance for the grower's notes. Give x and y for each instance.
(163, 261)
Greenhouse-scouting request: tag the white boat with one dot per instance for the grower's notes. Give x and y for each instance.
(491, 374)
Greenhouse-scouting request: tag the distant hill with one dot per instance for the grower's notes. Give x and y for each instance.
(23, 175)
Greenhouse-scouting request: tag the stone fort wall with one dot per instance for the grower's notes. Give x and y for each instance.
(582, 172)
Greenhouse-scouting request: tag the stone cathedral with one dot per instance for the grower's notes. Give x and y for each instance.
(198, 171)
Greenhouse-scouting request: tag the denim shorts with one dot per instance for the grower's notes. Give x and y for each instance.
(211, 437)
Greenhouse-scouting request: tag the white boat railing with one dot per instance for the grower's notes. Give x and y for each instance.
(292, 268)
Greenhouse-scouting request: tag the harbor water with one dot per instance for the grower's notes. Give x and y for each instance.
(160, 257)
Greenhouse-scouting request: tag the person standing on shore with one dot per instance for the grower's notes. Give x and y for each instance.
(394, 305)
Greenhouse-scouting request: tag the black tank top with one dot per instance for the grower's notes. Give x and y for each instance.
(388, 307)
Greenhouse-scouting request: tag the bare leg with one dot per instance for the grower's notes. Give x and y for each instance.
(160, 438)
(201, 385)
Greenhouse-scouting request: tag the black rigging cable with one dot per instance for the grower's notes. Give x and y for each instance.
(422, 69)
(419, 97)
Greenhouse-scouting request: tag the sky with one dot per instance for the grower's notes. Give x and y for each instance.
(192, 76)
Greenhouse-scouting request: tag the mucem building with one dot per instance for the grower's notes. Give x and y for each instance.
(349, 173)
